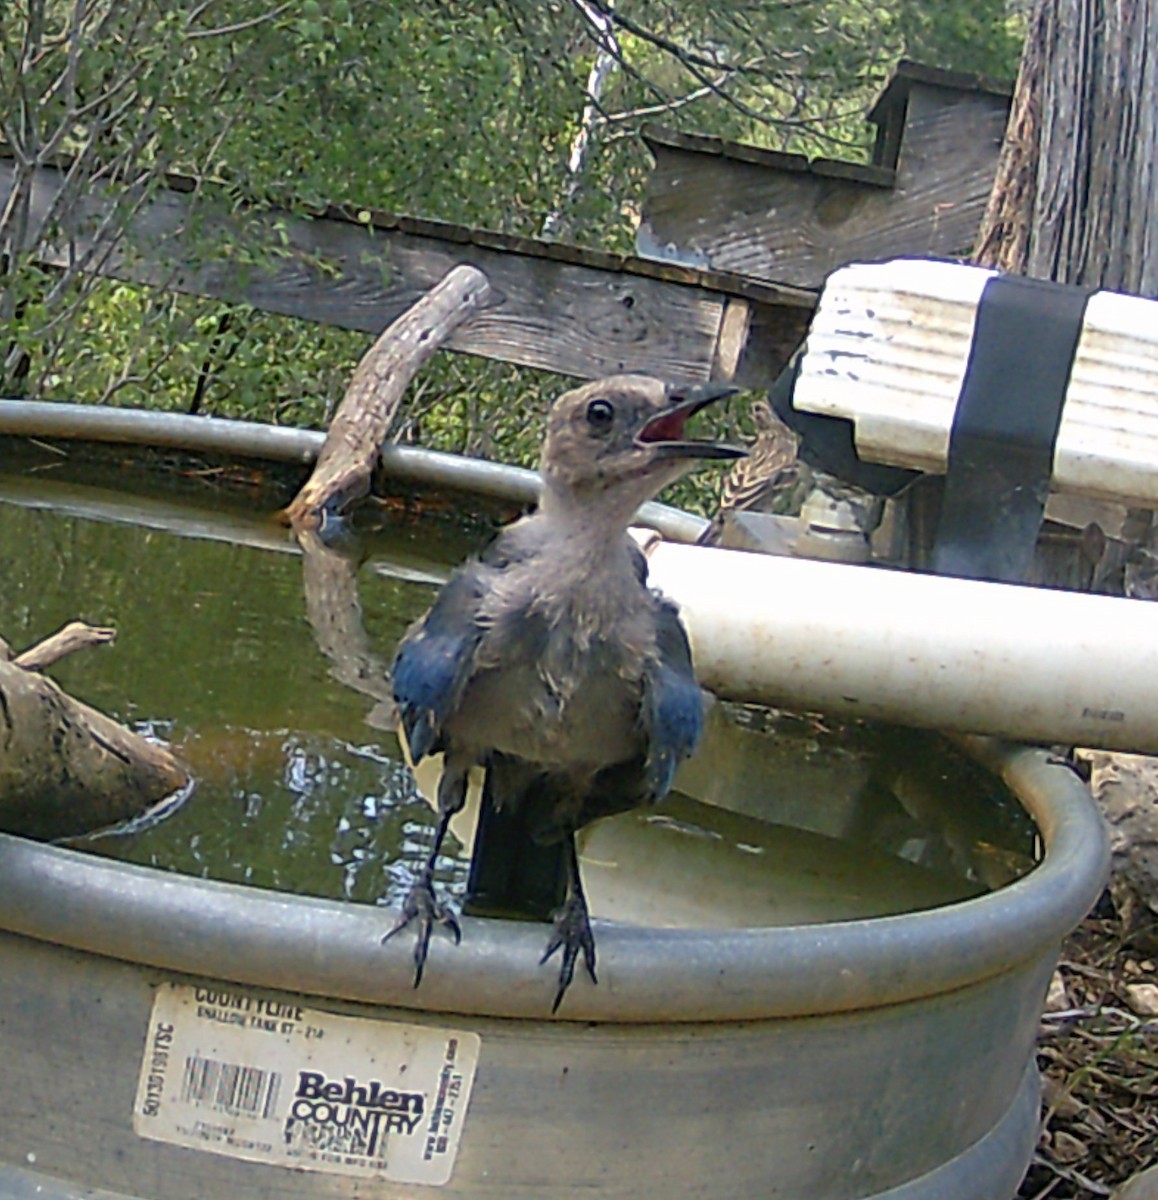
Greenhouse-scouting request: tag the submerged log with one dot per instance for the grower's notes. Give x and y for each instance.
(65, 768)
(359, 428)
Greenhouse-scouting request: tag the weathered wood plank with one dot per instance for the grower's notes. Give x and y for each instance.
(572, 311)
(888, 113)
(777, 160)
(780, 221)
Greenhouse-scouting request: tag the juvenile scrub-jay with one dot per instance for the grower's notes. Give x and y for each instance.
(548, 661)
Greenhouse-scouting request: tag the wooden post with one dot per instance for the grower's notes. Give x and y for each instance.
(359, 428)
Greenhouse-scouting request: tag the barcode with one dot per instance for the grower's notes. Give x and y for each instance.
(230, 1087)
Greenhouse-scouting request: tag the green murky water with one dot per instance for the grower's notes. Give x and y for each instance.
(300, 784)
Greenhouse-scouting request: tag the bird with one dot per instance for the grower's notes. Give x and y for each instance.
(770, 470)
(549, 662)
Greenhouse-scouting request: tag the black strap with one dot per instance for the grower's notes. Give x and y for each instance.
(1002, 441)
(828, 444)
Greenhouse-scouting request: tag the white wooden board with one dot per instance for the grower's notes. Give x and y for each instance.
(888, 347)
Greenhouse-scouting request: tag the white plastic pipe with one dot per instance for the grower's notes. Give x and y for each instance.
(1025, 663)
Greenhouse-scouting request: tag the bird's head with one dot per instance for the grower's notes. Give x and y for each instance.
(624, 436)
(763, 417)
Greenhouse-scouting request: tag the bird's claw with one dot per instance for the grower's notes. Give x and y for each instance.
(425, 908)
(572, 934)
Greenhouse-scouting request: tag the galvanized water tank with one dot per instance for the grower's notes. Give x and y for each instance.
(889, 1057)
(142, 1014)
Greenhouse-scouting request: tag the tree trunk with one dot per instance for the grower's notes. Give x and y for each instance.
(1075, 199)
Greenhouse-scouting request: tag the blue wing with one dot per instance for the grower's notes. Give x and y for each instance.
(673, 707)
(434, 662)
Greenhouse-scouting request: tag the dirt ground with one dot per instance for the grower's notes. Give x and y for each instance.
(1098, 1051)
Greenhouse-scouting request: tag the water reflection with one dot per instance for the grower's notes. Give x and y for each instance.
(300, 784)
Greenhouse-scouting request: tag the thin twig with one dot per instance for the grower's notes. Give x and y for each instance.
(76, 635)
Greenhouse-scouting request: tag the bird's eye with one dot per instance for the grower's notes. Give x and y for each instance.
(600, 415)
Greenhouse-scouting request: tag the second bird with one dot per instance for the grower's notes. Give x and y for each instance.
(548, 661)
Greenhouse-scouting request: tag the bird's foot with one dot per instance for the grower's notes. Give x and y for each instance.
(572, 934)
(423, 907)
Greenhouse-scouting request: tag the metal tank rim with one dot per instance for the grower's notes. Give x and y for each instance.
(333, 949)
(280, 443)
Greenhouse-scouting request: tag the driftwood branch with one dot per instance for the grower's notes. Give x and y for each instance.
(76, 635)
(344, 470)
(66, 768)
(359, 428)
(334, 610)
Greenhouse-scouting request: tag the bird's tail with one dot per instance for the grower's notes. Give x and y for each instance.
(514, 870)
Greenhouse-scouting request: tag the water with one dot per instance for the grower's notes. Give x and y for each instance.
(300, 783)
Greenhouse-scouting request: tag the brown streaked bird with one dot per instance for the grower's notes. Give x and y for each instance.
(549, 662)
(770, 470)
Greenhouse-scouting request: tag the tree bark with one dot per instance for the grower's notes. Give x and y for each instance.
(1075, 199)
(65, 768)
(357, 432)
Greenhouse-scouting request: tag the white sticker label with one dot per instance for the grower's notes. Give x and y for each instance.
(232, 1072)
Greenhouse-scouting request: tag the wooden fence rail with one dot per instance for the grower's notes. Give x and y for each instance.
(577, 312)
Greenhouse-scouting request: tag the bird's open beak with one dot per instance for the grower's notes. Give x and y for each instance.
(664, 433)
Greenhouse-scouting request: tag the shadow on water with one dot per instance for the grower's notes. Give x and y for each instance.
(300, 783)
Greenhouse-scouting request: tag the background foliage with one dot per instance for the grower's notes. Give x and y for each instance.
(514, 115)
